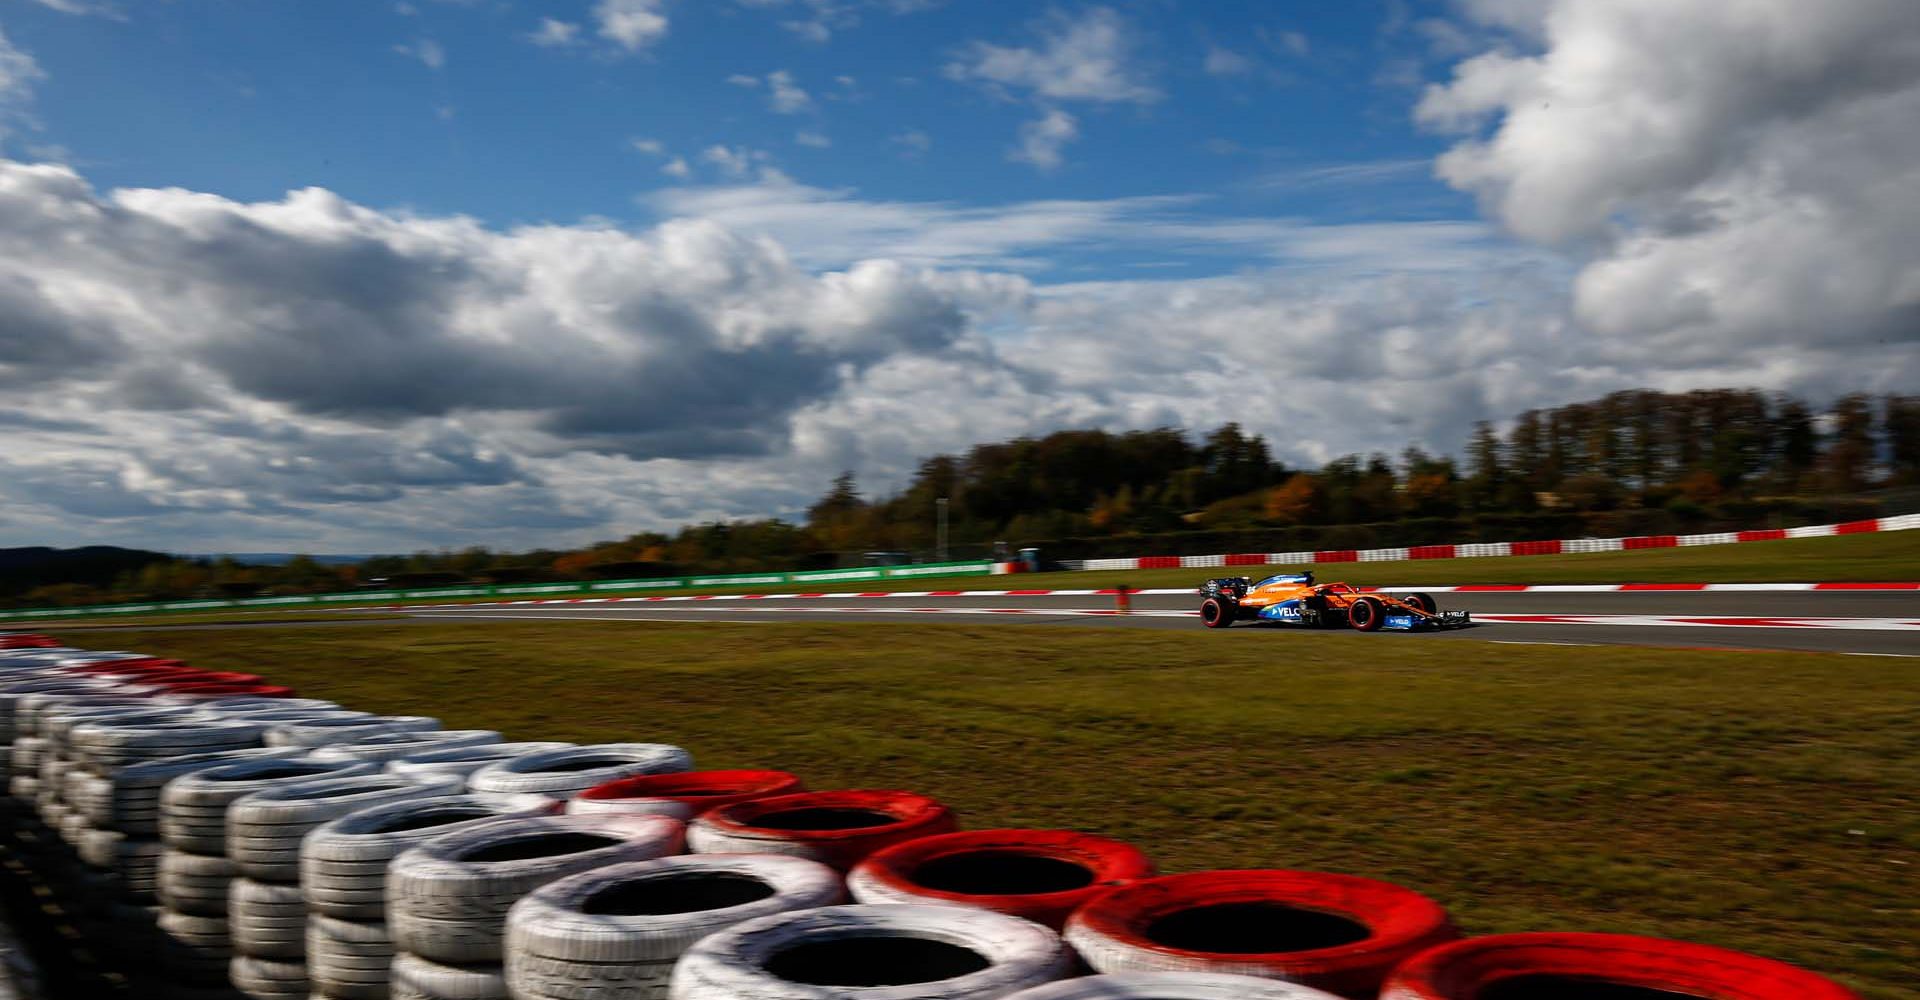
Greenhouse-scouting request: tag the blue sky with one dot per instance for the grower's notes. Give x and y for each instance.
(332, 275)
(450, 107)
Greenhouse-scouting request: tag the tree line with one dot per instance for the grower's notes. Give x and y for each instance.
(1692, 455)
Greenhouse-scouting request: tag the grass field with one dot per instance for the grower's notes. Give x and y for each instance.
(1893, 556)
(1763, 801)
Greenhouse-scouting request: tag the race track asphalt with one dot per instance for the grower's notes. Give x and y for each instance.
(1885, 624)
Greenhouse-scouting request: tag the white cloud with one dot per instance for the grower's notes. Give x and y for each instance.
(308, 373)
(1043, 139)
(1221, 61)
(913, 141)
(677, 167)
(743, 80)
(1084, 58)
(19, 73)
(1739, 177)
(83, 7)
(631, 24)
(813, 140)
(651, 147)
(555, 33)
(734, 161)
(786, 97)
(431, 53)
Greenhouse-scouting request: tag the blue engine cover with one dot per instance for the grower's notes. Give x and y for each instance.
(1287, 578)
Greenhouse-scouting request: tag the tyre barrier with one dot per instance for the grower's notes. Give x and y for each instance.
(1172, 986)
(924, 952)
(447, 898)
(415, 978)
(463, 761)
(683, 795)
(343, 863)
(1549, 965)
(97, 743)
(269, 920)
(264, 828)
(617, 931)
(193, 807)
(561, 773)
(393, 746)
(320, 732)
(1338, 933)
(836, 828)
(1039, 875)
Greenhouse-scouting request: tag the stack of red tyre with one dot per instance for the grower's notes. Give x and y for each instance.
(1337, 933)
(1547, 966)
(836, 828)
(1039, 875)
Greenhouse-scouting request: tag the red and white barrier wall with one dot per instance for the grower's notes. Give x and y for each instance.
(1474, 550)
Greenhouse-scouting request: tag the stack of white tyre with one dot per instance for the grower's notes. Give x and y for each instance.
(196, 876)
(447, 898)
(267, 911)
(618, 931)
(343, 877)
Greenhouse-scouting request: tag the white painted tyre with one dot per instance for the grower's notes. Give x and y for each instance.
(268, 920)
(617, 931)
(874, 952)
(1171, 986)
(463, 761)
(321, 732)
(196, 884)
(416, 978)
(560, 773)
(193, 808)
(393, 746)
(264, 829)
(447, 898)
(266, 979)
(343, 863)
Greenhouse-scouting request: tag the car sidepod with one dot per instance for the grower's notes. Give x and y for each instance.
(1285, 612)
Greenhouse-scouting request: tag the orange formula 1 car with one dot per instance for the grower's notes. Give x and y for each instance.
(1294, 599)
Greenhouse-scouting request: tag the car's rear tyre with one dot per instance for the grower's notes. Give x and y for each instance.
(1214, 613)
(1424, 602)
(1367, 614)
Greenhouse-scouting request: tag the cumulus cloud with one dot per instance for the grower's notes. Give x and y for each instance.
(1043, 139)
(631, 24)
(1736, 177)
(554, 33)
(1084, 58)
(785, 96)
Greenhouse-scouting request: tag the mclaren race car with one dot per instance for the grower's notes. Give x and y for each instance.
(1294, 599)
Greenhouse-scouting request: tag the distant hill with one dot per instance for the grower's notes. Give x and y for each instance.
(279, 558)
(24, 569)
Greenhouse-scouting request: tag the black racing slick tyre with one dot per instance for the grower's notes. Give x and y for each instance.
(1367, 614)
(1216, 613)
(1424, 602)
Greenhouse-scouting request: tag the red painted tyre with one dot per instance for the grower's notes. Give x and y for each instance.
(1616, 966)
(1337, 933)
(231, 691)
(199, 677)
(683, 795)
(128, 667)
(834, 828)
(1040, 875)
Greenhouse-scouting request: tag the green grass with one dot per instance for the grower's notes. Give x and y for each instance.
(1762, 801)
(1893, 556)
